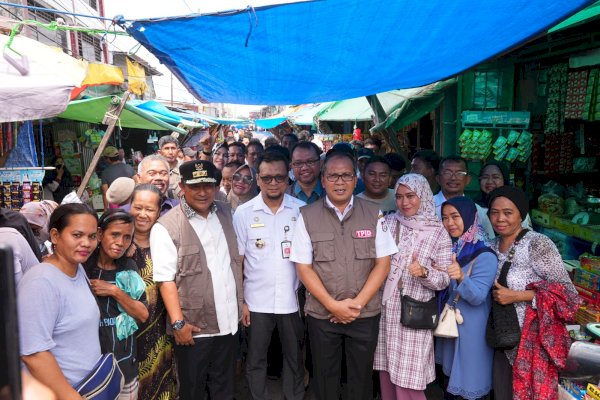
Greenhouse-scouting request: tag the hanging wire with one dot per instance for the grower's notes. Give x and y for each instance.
(52, 11)
(251, 12)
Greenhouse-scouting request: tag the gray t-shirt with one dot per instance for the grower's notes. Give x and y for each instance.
(23, 256)
(59, 314)
(115, 171)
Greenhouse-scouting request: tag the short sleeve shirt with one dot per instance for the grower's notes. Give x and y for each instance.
(115, 171)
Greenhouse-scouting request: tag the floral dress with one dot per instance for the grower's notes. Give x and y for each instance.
(154, 346)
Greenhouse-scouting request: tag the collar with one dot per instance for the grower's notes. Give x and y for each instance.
(190, 212)
(329, 204)
(260, 205)
(297, 189)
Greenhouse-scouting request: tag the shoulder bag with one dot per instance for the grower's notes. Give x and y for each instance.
(451, 317)
(417, 314)
(503, 331)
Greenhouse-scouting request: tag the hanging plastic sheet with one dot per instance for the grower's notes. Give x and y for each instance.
(24, 153)
(338, 49)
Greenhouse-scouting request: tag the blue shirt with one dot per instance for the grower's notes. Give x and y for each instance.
(316, 194)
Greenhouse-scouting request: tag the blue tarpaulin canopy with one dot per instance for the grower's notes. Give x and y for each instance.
(330, 50)
(268, 123)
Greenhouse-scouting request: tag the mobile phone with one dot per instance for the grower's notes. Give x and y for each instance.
(10, 371)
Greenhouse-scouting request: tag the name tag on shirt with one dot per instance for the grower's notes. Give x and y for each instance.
(286, 249)
(364, 233)
(257, 226)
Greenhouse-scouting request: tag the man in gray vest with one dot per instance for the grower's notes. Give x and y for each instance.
(342, 253)
(195, 259)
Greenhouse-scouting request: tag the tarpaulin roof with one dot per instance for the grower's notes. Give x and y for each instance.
(161, 112)
(268, 123)
(45, 89)
(306, 115)
(358, 109)
(93, 110)
(581, 17)
(422, 101)
(338, 49)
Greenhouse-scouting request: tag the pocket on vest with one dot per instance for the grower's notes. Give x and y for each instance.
(189, 260)
(193, 310)
(364, 248)
(323, 246)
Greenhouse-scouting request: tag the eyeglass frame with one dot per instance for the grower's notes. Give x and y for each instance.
(307, 163)
(267, 179)
(454, 174)
(349, 177)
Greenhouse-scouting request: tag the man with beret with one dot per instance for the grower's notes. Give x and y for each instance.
(197, 264)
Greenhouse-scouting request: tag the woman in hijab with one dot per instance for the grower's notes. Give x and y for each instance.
(38, 214)
(404, 356)
(244, 186)
(467, 360)
(536, 283)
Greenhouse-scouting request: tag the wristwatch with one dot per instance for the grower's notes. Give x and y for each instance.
(177, 325)
(206, 153)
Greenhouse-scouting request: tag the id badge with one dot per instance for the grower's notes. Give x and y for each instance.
(286, 249)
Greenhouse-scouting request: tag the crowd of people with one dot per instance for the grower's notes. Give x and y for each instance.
(197, 260)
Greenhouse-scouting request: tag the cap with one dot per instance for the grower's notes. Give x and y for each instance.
(198, 171)
(365, 153)
(120, 190)
(110, 151)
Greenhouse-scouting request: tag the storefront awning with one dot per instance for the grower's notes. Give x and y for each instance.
(421, 102)
(93, 110)
(342, 49)
(583, 16)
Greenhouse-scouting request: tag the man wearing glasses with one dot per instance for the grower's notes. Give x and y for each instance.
(306, 164)
(154, 169)
(453, 177)
(342, 254)
(265, 231)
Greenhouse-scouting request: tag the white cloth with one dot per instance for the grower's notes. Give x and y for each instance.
(484, 220)
(270, 281)
(211, 235)
(302, 250)
(386, 204)
(23, 256)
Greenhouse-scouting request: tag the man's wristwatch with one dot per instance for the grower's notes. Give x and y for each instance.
(177, 325)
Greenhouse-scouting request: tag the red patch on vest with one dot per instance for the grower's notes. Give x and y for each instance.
(365, 233)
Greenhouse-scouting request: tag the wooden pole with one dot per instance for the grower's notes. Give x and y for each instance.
(110, 119)
(380, 116)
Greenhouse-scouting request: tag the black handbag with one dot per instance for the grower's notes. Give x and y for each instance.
(503, 331)
(419, 314)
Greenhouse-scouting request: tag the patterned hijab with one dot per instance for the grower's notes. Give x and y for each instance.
(235, 200)
(425, 220)
(473, 240)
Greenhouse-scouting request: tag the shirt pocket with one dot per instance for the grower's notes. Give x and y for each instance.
(259, 240)
(364, 247)
(189, 260)
(323, 246)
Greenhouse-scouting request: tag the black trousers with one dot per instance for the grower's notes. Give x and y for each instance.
(291, 334)
(358, 339)
(502, 377)
(209, 361)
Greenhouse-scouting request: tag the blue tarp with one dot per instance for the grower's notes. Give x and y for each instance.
(269, 123)
(338, 49)
(24, 153)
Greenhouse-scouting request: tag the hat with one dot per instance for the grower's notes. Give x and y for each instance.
(120, 190)
(516, 195)
(365, 153)
(199, 171)
(189, 152)
(110, 151)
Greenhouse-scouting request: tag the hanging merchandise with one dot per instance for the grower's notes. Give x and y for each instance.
(577, 85)
(592, 97)
(91, 138)
(557, 92)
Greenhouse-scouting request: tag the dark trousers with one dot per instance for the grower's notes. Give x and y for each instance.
(358, 339)
(291, 333)
(210, 360)
(502, 378)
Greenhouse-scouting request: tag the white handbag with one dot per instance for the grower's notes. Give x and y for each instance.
(450, 317)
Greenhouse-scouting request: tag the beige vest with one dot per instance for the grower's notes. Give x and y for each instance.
(193, 278)
(343, 252)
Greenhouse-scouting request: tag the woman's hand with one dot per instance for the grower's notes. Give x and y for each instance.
(503, 295)
(415, 269)
(455, 271)
(102, 288)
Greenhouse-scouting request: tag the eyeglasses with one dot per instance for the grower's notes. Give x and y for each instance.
(335, 177)
(454, 174)
(247, 179)
(269, 178)
(495, 178)
(307, 163)
(152, 173)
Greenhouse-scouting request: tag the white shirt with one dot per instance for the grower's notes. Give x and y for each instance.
(270, 281)
(302, 250)
(484, 220)
(211, 235)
